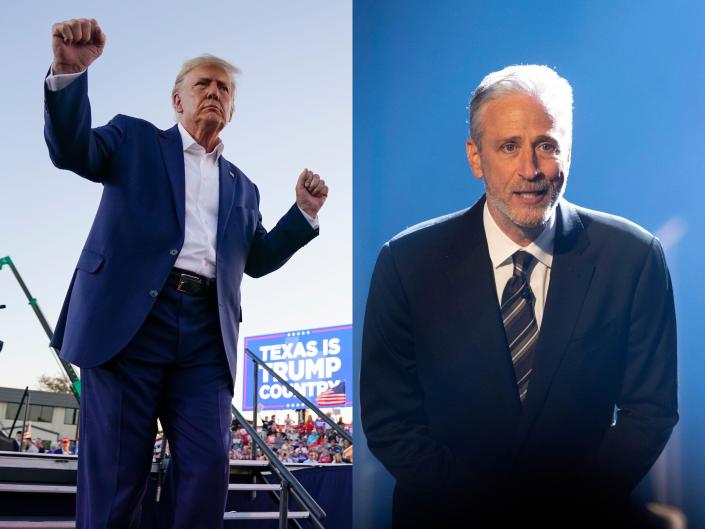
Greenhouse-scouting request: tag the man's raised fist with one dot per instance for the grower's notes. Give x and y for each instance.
(76, 44)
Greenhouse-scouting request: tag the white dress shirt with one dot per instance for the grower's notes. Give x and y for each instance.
(201, 220)
(58, 81)
(501, 250)
(202, 186)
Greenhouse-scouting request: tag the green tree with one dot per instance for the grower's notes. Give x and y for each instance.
(55, 384)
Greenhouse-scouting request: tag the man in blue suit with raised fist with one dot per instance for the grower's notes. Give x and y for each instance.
(153, 309)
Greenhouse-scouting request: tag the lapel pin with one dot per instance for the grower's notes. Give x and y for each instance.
(232, 174)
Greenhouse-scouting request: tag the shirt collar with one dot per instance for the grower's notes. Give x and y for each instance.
(502, 248)
(191, 145)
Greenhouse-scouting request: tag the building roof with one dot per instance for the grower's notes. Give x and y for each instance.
(43, 398)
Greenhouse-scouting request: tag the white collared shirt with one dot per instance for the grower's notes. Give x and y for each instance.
(502, 248)
(201, 220)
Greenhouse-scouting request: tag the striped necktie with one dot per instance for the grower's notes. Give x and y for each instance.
(519, 322)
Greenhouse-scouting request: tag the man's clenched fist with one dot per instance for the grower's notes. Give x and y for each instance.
(76, 44)
(311, 192)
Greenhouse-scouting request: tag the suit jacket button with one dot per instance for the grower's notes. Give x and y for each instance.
(153, 293)
(174, 252)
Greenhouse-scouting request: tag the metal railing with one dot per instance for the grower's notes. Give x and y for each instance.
(286, 478)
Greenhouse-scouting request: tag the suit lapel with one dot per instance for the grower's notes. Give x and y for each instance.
(173, 155)
(571, 274)
(226, 195)
(471, 288)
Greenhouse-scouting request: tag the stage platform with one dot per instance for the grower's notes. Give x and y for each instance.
(38, 490)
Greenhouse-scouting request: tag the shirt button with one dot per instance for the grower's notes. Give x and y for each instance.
(174, 251)
(153, 293)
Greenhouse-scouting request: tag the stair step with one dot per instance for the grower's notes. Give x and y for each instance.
(32, 523)
(38, 523)
(253, 486)
(263, 515)
(71, 489)
(248, 463)
(24, 487)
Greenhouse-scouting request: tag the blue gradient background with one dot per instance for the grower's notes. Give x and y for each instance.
(637, 70)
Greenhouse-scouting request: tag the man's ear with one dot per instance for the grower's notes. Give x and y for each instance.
(473, 152)
(176, 103)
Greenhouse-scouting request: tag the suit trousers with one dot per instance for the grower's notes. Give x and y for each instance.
(174, 370)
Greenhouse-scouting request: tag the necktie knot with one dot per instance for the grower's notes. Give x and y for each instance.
(522, 262)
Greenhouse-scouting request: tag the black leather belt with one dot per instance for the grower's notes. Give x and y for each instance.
(191, 283)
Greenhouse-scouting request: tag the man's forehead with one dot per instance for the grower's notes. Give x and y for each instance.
(518, 115)
(519, 108)
(210, 71)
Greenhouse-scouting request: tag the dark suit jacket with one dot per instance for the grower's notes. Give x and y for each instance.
(440, 407)
(138, 230)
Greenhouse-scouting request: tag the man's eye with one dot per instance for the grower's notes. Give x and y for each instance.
(509, 147)
(547, 147)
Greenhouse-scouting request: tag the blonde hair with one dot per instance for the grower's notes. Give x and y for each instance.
(205, 60)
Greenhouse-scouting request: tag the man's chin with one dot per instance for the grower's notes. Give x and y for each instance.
(212, 120)
(211, 114)
(533, 218)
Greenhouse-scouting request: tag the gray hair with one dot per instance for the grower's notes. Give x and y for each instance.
(542, 82)
(205, 60)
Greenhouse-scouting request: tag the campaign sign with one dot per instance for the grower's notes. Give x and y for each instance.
(317, 362)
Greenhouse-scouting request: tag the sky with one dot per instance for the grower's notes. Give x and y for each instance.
(293, 110)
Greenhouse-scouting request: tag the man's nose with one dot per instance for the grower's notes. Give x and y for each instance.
(212, 91)
(528, 164)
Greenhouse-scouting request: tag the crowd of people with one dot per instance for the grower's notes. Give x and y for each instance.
(39, 446)
(310, 442)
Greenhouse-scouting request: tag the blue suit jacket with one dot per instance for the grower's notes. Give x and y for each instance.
(138, 230)
(438, 393)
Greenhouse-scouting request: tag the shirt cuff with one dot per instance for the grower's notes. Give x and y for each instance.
(56, 82)
(311, 220)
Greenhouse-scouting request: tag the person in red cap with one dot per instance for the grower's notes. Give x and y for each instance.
(65, 447)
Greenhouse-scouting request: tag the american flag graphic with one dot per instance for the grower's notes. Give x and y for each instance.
(333, 396)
